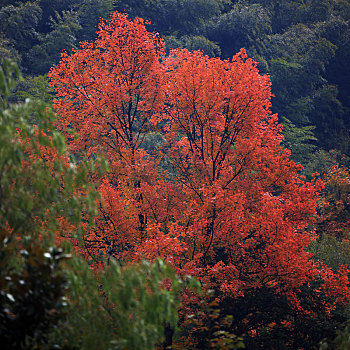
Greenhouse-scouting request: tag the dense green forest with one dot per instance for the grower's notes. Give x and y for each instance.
(82, 230)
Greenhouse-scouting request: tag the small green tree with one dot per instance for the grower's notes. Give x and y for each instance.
(39, 189)
(300, 140)
(126, 307)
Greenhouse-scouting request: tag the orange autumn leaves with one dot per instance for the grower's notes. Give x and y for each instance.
(217, 195)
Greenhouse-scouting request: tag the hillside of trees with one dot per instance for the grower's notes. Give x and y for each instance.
(174, 174)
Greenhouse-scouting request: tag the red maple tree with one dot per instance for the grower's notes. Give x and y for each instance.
(220, 198)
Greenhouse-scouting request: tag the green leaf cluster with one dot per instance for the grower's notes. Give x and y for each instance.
(32, 187)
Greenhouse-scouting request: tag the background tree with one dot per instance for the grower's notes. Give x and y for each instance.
(173, 16)
(334, 209)
(19, 26)
(63, 36)
(244, 25)
(301, 140)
